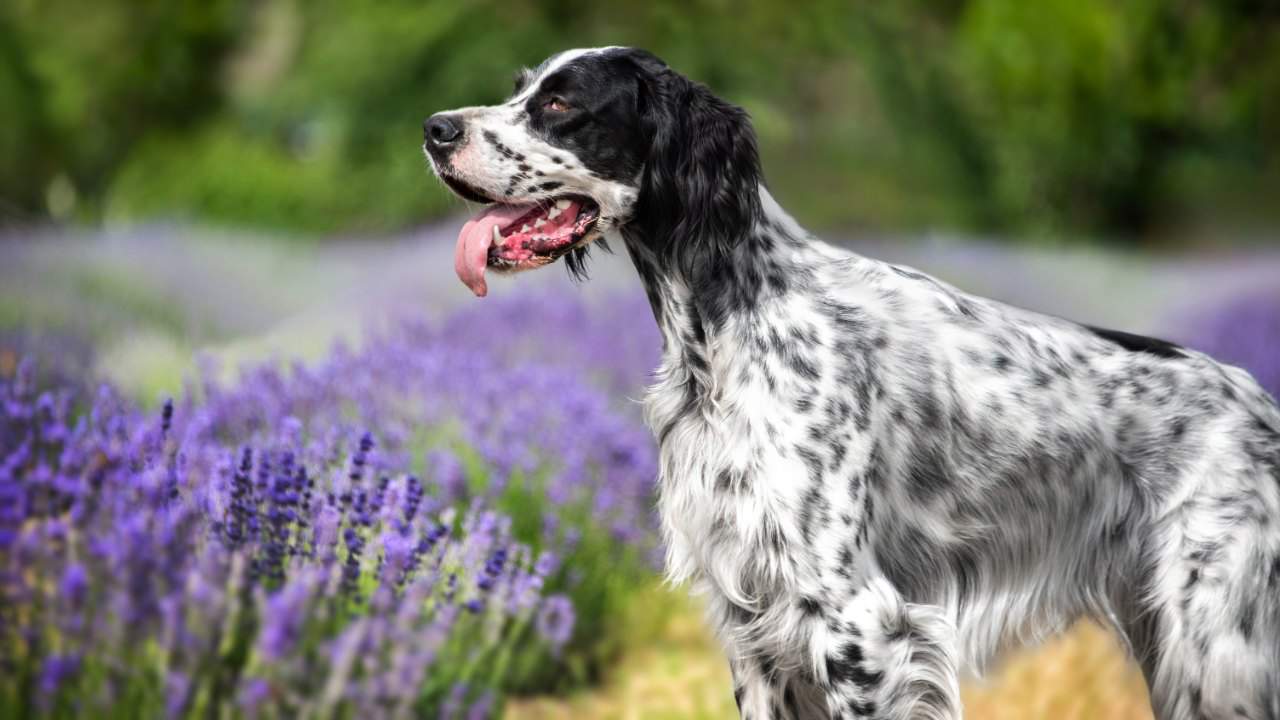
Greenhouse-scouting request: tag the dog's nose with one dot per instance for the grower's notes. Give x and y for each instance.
(441, 130)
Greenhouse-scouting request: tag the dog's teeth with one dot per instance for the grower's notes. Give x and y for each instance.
(525, 228)
(537, 223)
(497, 236)
(562, 204)
(553, 213)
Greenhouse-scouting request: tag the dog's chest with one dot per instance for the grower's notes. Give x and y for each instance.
(725, 452)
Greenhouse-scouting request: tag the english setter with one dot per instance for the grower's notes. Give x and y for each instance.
(877, 479)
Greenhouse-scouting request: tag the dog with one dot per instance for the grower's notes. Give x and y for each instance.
(877, 480)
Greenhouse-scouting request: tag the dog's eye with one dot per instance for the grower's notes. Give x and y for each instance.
(555, 104)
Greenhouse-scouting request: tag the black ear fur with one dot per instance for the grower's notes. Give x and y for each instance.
(699, 190)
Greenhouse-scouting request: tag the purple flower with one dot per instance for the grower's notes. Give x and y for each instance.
(177, 694)
(166, 416)
(398, 549)
(266, 502)
(547, 563)
(326, 529)
(283, 618)
(481, 709)
(254, 693)
(555, 620)
(447, 473)
(1244, 332)
(454, 702)
(74, 585)
(54, 673)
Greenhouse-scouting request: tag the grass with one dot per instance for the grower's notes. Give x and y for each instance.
(1082, 675)
(670, 668)
(676, 671)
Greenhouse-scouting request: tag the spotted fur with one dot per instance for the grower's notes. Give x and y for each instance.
(875, 479)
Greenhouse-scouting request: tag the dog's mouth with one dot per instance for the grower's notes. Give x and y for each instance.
(510, 237)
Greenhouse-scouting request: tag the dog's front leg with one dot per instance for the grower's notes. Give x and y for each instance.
(888, 659)
(754, 691)
(766, 694)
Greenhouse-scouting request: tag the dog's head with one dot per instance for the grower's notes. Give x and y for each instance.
(594, 142)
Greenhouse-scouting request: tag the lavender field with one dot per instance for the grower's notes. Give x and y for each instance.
(240, 478)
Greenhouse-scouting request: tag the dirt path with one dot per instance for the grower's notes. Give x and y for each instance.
(680, 674)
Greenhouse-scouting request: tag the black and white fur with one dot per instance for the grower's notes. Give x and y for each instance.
(876, 479)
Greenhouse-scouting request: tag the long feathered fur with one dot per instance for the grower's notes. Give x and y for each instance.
(875, 479)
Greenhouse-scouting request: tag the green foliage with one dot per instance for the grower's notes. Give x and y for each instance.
(601, 575)
(1087, 109)
(84, 81)
(221, 176)
(331, 140)
(1053, 117)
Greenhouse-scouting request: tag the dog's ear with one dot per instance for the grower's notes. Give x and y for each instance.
(699, 189)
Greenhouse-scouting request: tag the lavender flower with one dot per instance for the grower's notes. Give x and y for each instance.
(177, 690)
(454, 702)
(344, 522)
(481, 709)
(74, 585)
(54, 673)
(1244, 332)
(555, 620)
(254, 694)
(284, 617)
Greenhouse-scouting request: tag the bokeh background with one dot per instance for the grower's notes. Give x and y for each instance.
(261, 454)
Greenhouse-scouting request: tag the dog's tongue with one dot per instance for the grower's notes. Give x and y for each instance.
(471, 256)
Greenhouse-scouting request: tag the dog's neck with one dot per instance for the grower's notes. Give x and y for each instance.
(759, 263)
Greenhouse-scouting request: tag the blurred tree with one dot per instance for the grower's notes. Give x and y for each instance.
(1049, 118)
(1085, 107)
(24, 137)
(85, 80)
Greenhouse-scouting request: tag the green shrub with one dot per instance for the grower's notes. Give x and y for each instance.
(1057, 117)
